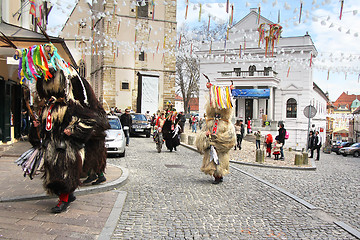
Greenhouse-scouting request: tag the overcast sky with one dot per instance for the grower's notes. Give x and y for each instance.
(337, 41)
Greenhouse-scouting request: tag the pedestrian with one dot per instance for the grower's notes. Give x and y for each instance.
(268, 142)
(171, 130)
(239, 130)
(23, 122)
(194, 124)
(281, 137)
(257, 139)
(311, 144)
(182, 121)
(317, 145)
(277, 147)
(126, 122)
(190, 122)
(201, 121)
(248, 126)
(148, 116)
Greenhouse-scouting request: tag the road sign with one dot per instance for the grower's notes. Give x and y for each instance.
(310, 111)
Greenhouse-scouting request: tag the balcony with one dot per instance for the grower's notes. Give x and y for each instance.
(250, 78)
(249, 73)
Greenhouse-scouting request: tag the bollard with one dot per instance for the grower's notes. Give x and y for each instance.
(298, 159)
(183, 137)
(305, 158)
(191, 140)
(259, 156)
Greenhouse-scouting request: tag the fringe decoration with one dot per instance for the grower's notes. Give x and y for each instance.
(220, 97)
(30, 161)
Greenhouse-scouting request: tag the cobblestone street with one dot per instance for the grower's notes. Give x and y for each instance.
(168, 197)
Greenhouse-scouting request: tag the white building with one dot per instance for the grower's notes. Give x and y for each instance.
(282, 83)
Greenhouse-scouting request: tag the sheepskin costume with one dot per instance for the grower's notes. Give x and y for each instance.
(215, 140)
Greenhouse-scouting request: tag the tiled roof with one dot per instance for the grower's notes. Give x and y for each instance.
(345, 99)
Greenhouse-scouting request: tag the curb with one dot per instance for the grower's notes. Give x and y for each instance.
(88, 190)
(312, 168)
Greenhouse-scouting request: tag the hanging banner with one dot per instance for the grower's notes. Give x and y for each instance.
(251, 93)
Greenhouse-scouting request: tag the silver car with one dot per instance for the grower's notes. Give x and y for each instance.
(115, 138)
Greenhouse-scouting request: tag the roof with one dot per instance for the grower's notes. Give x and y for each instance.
(345, 99)
(318, 89)
(24, 38)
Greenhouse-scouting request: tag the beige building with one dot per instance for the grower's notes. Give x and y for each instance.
(133, 62)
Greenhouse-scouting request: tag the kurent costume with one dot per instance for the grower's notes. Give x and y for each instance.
(217, 137)
(171, 130)
(72, 124)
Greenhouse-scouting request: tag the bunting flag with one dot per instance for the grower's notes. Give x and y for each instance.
(210, 47)
(118, 26)
(341, 8)
(209, 24)
(179, 41)
(186, 10)
(227, 6)
(278, 16)
(200, 6)
(240, 51)
(301, 5)
(231, 15)
(191, 48)
(328, 74)
(288, 72)
(259, 12)
(157, 48)
(164, 41)
(32, 8)
(153, 9)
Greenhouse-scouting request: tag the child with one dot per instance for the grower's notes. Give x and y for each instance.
(277, 147)
(268, 142)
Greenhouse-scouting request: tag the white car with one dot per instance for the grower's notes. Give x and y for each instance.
(115, 138)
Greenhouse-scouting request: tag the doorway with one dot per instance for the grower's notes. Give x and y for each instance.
(248, 108)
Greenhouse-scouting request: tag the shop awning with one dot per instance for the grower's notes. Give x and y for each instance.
(24, 38)
(251, 93)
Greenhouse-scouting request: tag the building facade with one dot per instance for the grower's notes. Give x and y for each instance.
(133, 63)
(272, 85)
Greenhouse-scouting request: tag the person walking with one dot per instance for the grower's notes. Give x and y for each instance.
(317, 145)
(257, 139)
(239, 130)
(194, 124)
(126, 122)
(311, 144)
(281, 137)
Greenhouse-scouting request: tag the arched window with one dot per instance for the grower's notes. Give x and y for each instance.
(291, 108)
(82, 69)
(252, 69)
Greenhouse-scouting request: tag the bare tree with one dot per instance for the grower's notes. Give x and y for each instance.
(187, 63)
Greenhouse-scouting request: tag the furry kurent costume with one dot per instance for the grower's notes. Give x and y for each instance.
(218, 136)
(72, 124)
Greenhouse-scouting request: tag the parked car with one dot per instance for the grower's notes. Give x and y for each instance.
(335, 148)
(352, 150)
(140, 125)
(115, 138)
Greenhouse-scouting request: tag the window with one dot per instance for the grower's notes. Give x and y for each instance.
(143, 8)
(237, 71)
(142, 56)
(82, 69)
(291, 108)
(252, 69)
(266, 71)
(124, 86)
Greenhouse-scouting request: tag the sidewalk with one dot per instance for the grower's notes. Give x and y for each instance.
(247, 155)
(25, 208)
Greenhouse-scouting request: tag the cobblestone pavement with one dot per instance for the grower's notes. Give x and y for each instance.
(168, 197)
(334, 186)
